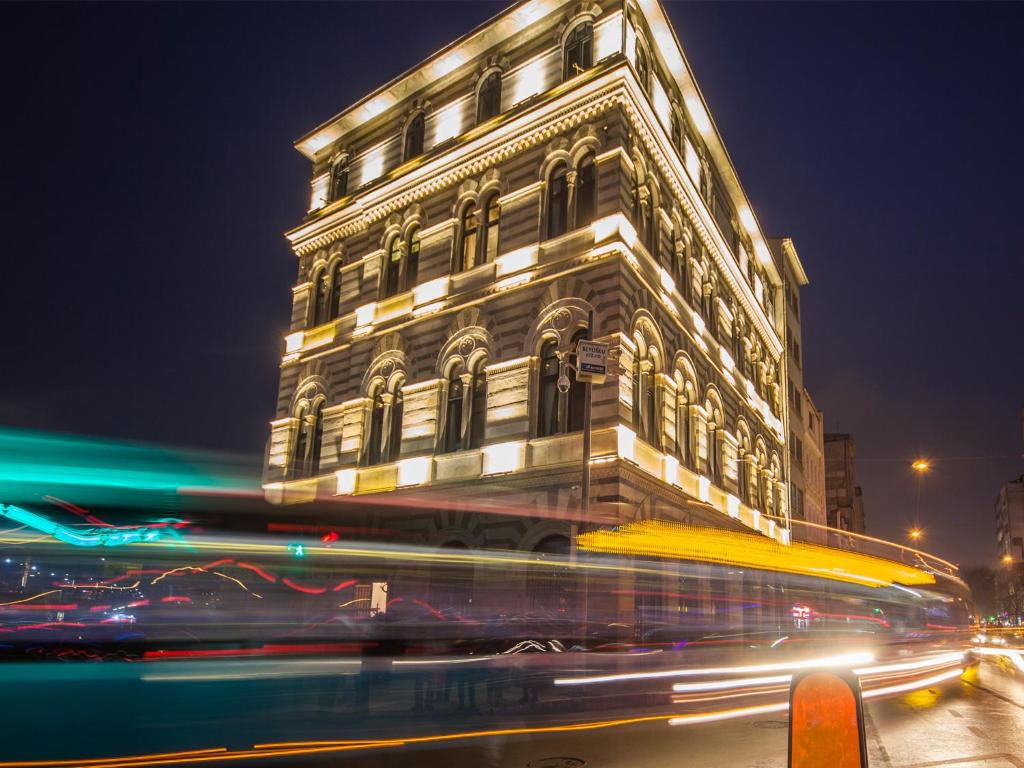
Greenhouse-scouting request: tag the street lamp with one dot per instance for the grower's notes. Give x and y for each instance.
(915, 534)
(1007, 559)
(921, 465)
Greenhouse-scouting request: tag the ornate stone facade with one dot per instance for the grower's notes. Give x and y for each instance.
(465, 222)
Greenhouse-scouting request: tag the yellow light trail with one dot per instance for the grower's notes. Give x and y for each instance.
(29, 599)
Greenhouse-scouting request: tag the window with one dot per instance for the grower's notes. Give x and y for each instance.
(395, 437)
(744, 477)
(489, 234)
(586, 191)
(558, 201)
(489, 98)
(393, 267)
(677, 132)
(301, 444)
(339, 179)
(714, 464)
(335, 306)
(414, 138)
(576, 399)
(645, 420)
(478, 404)
(547, 414)
(643, 69)
(375, 439)
(309, 434)
(412, 267)
(453, 414)
(683, 451)
(796, 352)
(579, 50)
(321, 298)
(467, 238)
(317, 429)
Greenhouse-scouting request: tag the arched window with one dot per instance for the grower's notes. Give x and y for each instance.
(414, 138)
(547, 390)
(683, 449)
(339, 179)
(579, 50)
(490, 231)
(397, 413)
(335, 305)
(558, 201)
(488, 102)
(374, 440)
(412, 266)
(317, 436)
(393, 266)
(643, 69)
(576, 399)
(639, 219)
(714, 462)
(743, 474)
(321, 299)
(586, 191)
(645, 420)
(452, 440)
(478, 405)
(298, 468)
(467, 237)
(677, 132)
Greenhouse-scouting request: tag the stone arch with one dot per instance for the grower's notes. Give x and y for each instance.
(581, 13)
(585, 140)
(685, 375)
(557, 151)
(559, 320)
(464, 347)
(714, 407)
(647, 336)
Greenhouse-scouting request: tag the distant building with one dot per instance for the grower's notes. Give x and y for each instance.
(1010, 540)
(844, 501)
(805, 463)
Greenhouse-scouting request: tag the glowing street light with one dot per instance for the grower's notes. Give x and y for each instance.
(1007, 559)
(915, 534)
(921, 465)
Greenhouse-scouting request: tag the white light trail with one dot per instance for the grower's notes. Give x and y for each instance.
(728, 714)
(932, 661)
(842, 660)
(724, 685)
(913, 686)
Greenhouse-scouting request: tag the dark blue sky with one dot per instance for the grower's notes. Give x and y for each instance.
(148, 175)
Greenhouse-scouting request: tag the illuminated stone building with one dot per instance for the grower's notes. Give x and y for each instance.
(465, 221)
(806, 459)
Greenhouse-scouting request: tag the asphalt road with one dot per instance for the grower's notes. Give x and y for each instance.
(977, 724)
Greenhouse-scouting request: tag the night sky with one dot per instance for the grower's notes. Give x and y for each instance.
(148, 175)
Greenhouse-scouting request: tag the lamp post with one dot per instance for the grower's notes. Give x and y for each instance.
(920, 467)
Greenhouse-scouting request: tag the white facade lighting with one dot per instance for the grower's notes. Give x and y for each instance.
(626, 439)
(608, 37)
(319, 191)
(414, 471)
(698, 114)
(698, 323)
(433, 290)
(747, 220)
(727, 360)
(365, 314)
(529, 80)
(704, 489)
(345, 480)
(666, 281)
(732, 506)
(504, 457)
(515, 261)
(293, 342)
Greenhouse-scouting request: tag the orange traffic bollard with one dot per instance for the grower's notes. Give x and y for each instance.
(826, 721)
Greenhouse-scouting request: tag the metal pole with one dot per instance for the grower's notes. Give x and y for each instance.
(587, 400)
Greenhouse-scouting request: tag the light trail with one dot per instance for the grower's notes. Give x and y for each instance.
(728, 714)
(842, 660)
(933, 661)
(912, 686)
(724, 685)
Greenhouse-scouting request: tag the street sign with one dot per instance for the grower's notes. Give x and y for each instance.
(591, 361)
